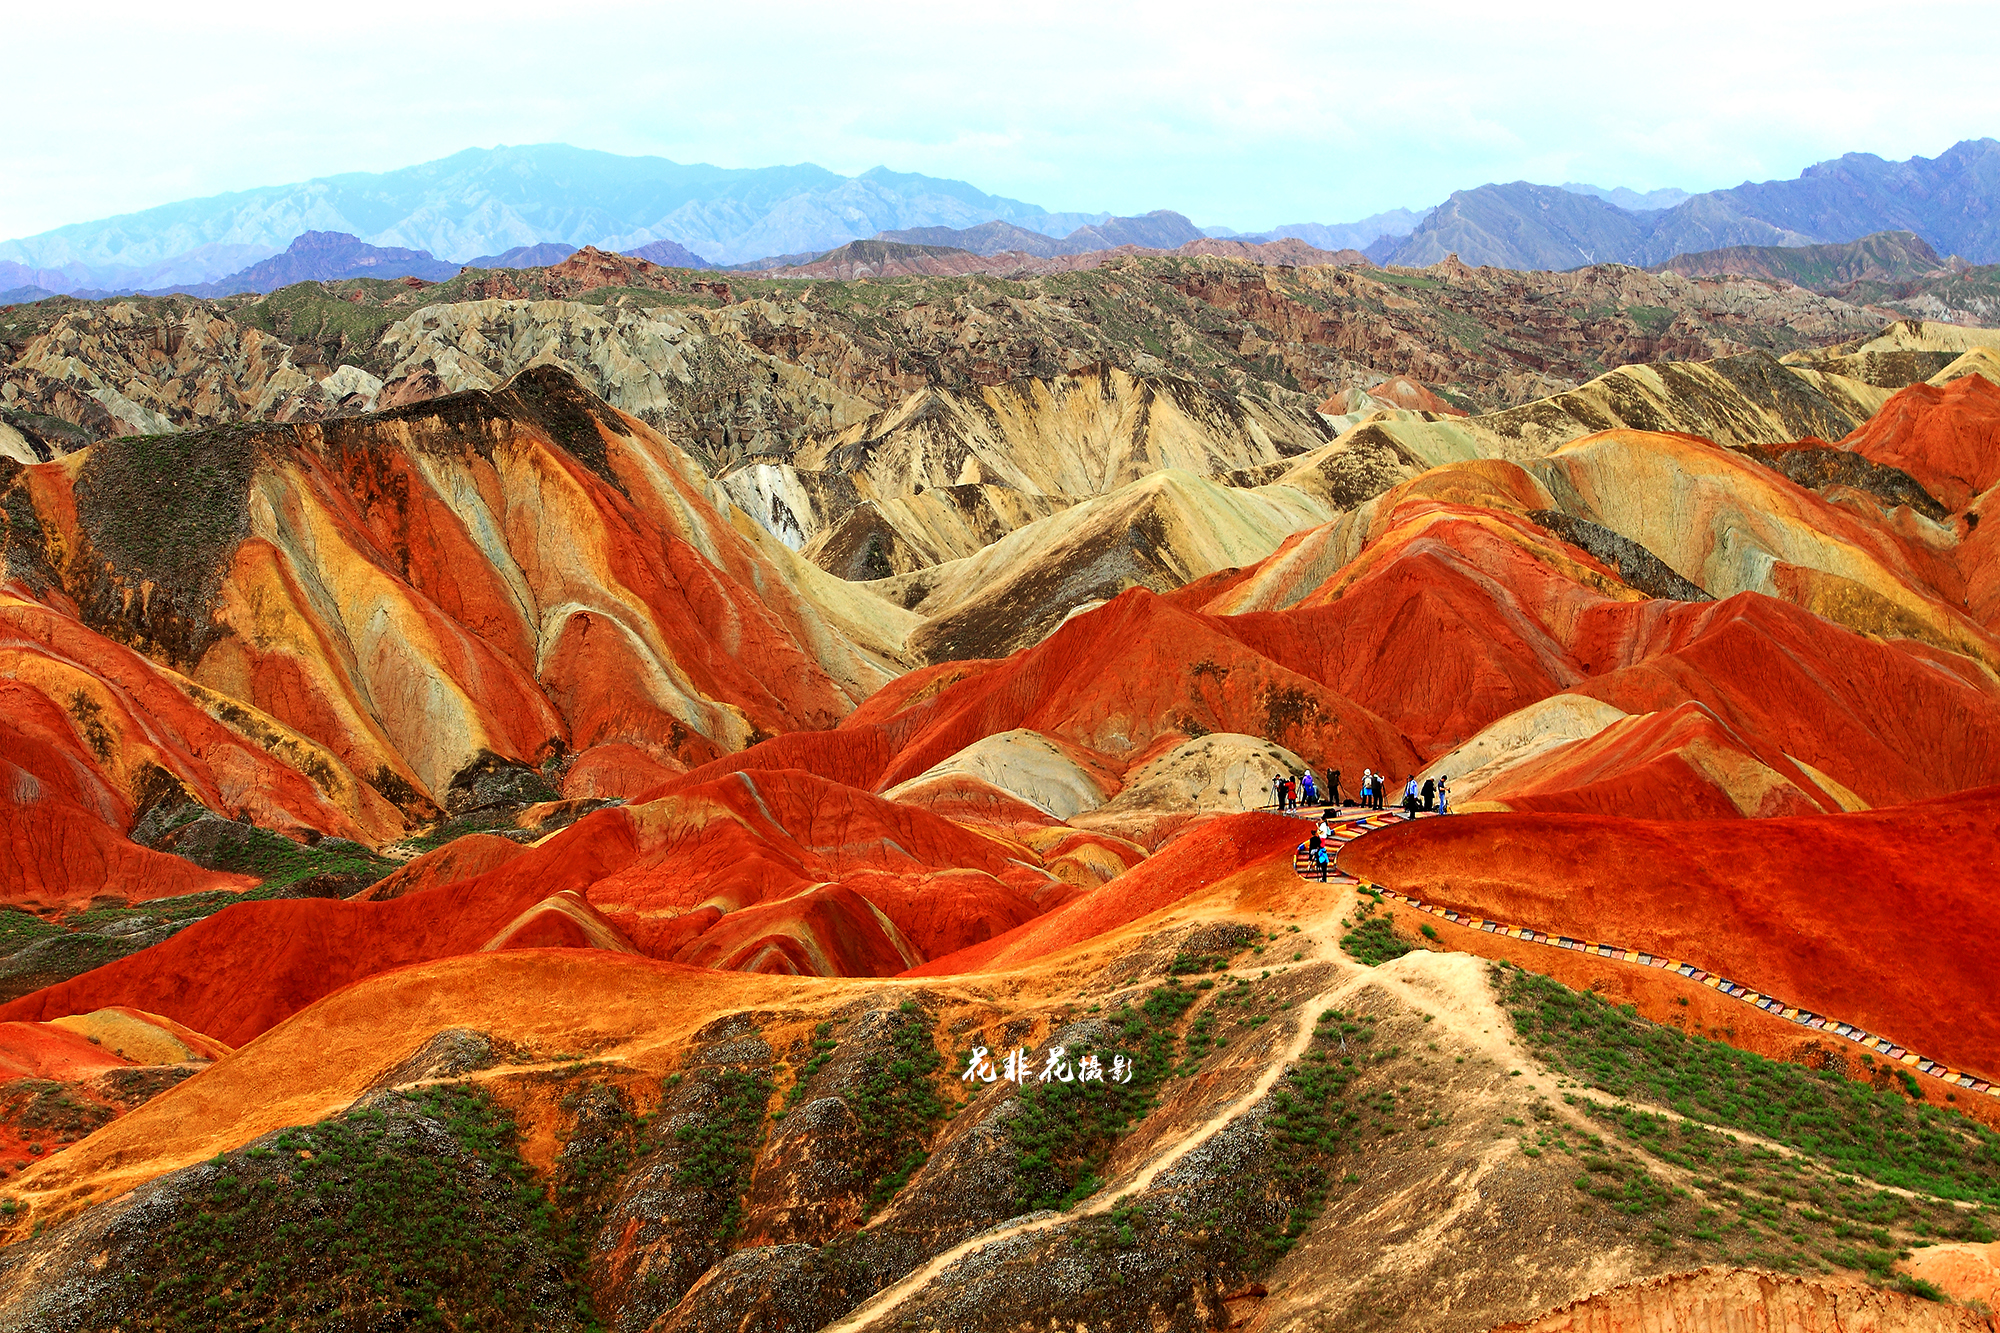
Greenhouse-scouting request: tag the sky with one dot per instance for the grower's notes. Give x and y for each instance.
(1248, 114)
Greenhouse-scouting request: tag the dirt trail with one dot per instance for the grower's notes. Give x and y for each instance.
(1462, 986)
(891, 1298)
(1450, 986)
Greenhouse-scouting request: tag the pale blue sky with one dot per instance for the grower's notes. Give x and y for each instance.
(1245, 114)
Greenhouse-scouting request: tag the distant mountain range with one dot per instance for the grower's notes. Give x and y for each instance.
(1629, 199)
(326, 256)
(1370, 231)
(1158, 230)
(532, 206)
(484, 202)
(331, 256)
(883, 258)
(1952, 201)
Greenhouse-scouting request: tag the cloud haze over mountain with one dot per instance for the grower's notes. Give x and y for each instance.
(1280, 113)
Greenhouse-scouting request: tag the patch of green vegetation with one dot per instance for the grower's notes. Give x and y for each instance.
(499, 822)
(366, 1220)
(245, 849)
(1119, 1229)
(897, 1105)
(1916, 1286)
(47, 1108)
(308, 312)
(1654, 319)
(168, 510)
(19, 928)
(1309, 1124)
(1373, 940)
(1758, 1204)
(593, 1163)
(1625, 1185)
(1403, 279)
(650, 297)
(1463, 329)
(1066, 1131)
(280, 863)
(721, 1148)
(1216, 958)
(823, 1047)
(1860, 1130)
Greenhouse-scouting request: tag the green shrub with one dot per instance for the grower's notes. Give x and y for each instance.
(359, 1221)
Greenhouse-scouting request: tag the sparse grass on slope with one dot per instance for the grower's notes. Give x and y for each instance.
(1802, 1210)
(280, 862)
(1066, 1131)
(898, 1106)
(421, 1214)
(19, 928)
(1883, 1136)
(722, 1148)
(1373, 940)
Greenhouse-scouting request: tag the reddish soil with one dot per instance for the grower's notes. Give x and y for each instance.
(1656, 764)
(616, 768)
(776, 870)
(461, 858)
(1885, 918)
(1205, 855)
(1119, 679)
(853, 756)
(1948, 438)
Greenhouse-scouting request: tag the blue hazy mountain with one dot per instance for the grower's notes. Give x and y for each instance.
(1952, 201)
(1632, 201)
(538, 199)
(486, 201)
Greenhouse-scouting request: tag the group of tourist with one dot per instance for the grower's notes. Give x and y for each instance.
(1429, 796)
(1289, 793)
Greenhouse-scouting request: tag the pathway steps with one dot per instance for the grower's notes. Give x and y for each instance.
(1349, 826)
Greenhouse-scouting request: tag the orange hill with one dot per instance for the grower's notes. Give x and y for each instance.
(1886, 919)
(358, 613)
(774, 871)
(1947, 438)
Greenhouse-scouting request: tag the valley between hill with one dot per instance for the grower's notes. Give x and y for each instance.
(524, 795)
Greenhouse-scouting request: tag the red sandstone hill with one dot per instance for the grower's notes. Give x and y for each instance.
(499, 578)
(356, 616)
(1193, 863)
(1457, 618)
(1886, 919)
(1947, 438)
(771, 871)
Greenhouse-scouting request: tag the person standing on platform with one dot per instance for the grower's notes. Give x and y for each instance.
(1309, 789)
(1430, 794)
(1333, 787)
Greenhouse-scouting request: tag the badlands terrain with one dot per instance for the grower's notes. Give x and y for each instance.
(528, 798)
